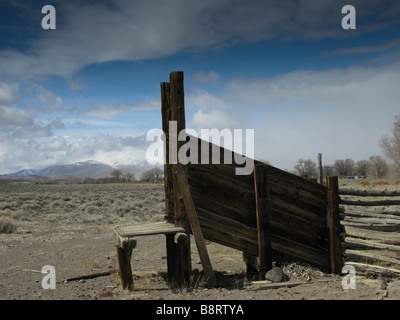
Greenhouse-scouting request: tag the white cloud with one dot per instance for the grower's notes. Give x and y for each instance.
(20, 152)
(110, 111)
(96, 32)
(364, 49)
(206, 77)
(10, 115)
(9, 93)
(339, 112)
(215, 119)
(50, 100)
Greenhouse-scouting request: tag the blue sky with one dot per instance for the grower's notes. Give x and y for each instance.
(90, 89)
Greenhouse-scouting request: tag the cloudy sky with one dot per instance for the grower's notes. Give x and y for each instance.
(90, 89)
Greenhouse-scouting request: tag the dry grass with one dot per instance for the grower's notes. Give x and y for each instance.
(7, 226)
(66, 204)
(380, 183)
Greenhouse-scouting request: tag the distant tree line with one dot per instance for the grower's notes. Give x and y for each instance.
(375, 166)
(118, 176)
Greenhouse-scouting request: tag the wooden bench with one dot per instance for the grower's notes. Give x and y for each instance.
(127, 241)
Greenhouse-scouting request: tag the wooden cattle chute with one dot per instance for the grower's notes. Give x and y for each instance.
(372, 231)
(269, 214)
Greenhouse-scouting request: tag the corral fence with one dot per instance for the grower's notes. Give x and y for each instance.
(269, 215)
(370, 223)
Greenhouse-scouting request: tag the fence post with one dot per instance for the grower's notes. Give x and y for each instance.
(168, 176)
(320, 169)
(263, 224)
(181, 252)
(333, 219)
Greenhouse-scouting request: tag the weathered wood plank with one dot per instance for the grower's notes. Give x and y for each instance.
(373, 269)
(168, 176)
(228, 232)
(369, 193)
(379, 215)
(317, 216)
(370, 203)
(132, 230)
(372, 256)
(293, 193)
(229, 240)
(263, 224)
(333, 219)
(372, 224)
(181, 253)
(194, 224)
(385, 237)
(292, 219)
(284, 248)
(225, 172)
(125, 270)
(223, 207)
(278, 176)
(361, 243)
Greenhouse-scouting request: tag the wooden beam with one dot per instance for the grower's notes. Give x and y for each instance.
(124, 255)
(320, 170)
(168, 177)
(194, 224)
(333, 219)
(263, 224)
(179, 253)
(370, 203)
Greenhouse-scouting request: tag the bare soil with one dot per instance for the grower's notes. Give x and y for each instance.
(70, 227)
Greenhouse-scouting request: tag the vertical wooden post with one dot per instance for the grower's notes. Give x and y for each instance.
(168, 176)
(333, 218)
(263, 224)
(320, 170)
(124, 255)
(181, 257)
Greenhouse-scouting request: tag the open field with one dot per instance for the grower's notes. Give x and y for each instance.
(71, 228)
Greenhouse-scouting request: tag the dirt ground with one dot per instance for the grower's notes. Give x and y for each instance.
(70, 227)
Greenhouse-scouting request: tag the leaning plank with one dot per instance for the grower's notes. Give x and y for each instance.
(263, 210)
(194, 224)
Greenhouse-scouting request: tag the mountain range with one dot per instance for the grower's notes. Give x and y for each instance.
(84, 169)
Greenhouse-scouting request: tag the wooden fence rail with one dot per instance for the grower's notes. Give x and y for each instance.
(371, 239)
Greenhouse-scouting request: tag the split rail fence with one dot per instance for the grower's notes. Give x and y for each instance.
(370, 222)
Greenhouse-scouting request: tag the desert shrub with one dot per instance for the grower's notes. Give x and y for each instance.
(30, 207)
(57, 204)
(90, 209)
(8, 205)
(397, 183)
(6, 226)
(380, 183)
(364, 183)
